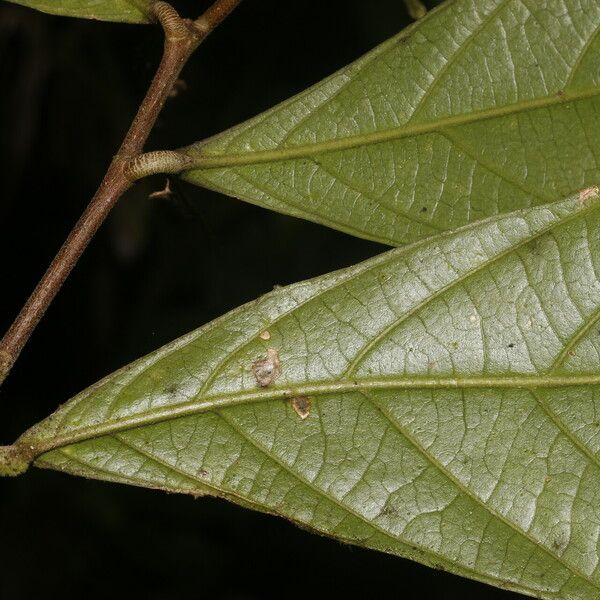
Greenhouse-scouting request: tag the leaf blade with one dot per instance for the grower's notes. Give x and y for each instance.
(457, 118)
(126, 11)
(467, 444)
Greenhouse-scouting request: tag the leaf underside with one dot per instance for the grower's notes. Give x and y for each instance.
(480, 108)
(127, 11)
(439, 402)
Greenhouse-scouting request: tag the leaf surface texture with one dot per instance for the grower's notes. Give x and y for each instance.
(480, 108)
(440, 402)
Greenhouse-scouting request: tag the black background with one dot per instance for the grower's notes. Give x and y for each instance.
(156, 270)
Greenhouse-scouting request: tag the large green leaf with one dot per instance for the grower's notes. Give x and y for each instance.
(440, 401)
(480, 108)
(128, 11)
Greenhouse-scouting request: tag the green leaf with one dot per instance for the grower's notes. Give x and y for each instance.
(438, 402)
(127, 11)
(480, 108)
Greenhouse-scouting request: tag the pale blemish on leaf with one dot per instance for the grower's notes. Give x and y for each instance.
(587, 193)
(267, 369)
(265, 335)
(301, 406)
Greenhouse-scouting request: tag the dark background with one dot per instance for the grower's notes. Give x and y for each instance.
(156, 270)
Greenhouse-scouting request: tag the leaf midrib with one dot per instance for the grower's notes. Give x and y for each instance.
(216, 161)
(321, 388)
(429, 458)
(336, 501)
(344, 382)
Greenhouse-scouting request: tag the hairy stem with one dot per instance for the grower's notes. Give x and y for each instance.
(182, 37)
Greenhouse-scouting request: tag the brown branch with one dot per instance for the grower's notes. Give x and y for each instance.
(215, 15)
(182, 37)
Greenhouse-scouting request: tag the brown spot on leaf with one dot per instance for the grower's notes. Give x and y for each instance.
(265, 335)
(390, 511)
(302, 406)
(587, 193)
(267, 369)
